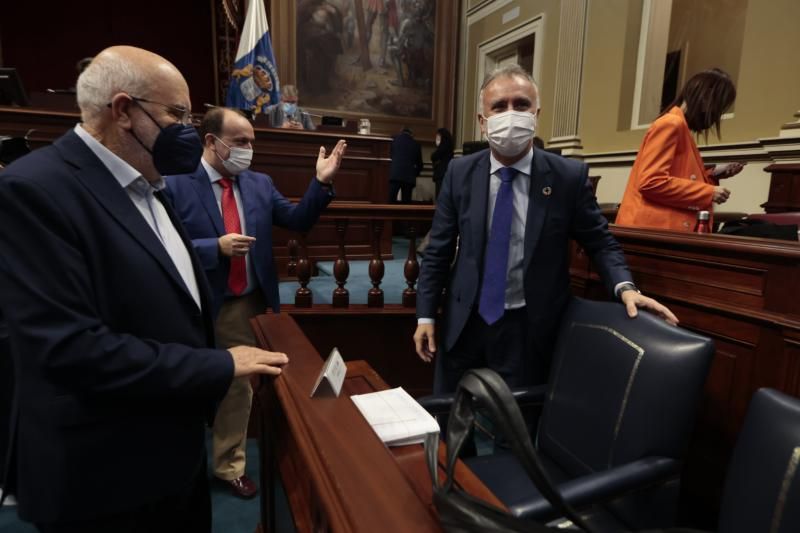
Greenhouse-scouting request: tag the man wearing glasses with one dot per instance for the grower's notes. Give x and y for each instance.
(228, 211)
(109, 314)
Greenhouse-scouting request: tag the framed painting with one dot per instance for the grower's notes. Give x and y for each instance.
(392, 61)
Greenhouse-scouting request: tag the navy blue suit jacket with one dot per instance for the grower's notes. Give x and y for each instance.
(562, 206)
(406, 156)
(115, 377)
(194, 200)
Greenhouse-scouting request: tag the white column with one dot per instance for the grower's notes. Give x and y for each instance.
(569, 71)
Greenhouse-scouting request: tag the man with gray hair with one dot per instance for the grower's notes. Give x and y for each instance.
(109, 315)
(287, 114)
(513, 210)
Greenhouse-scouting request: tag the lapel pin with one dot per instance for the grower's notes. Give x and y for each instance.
(547, 191)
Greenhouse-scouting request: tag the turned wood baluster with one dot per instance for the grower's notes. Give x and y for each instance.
(411, 268)
(375, 294)
(291, 266)
(303, 296)
(341, 268)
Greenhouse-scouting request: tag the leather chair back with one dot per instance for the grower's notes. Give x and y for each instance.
(620, 388)
(762, 489)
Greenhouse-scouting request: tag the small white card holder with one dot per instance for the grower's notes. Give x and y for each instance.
(329, 382)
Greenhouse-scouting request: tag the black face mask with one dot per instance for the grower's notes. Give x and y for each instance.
(177, 149)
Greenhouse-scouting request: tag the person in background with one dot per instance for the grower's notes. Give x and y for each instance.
(81, 65)
(6, 392)
(513, 211)
(109, 314)
(406, 154)
(287, 114)
(441, 156)
(229, 212)
(668, 183)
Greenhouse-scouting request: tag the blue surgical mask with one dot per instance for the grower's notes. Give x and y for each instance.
(177, 149)
(289, 108)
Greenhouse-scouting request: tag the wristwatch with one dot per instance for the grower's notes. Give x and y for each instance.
(627, 286)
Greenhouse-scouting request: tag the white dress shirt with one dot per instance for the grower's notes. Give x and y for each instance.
(140, 191)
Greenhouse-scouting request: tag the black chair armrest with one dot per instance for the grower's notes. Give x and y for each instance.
(601, 486)
(440, 404)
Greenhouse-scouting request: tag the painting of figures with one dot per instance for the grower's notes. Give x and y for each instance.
(372, 57)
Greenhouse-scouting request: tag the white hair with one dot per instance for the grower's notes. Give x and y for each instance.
(508, 71)
(106, 76)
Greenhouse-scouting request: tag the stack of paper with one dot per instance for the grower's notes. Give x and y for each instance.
(395, 416)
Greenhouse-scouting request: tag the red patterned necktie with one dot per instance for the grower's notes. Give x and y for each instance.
(237, 278)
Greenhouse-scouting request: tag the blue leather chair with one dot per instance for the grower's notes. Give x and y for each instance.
(616, 419)
(762, 488)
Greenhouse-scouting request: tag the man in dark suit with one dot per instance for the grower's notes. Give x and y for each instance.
(109, 314)
(406, 165)
(512, 210)
(228, 211)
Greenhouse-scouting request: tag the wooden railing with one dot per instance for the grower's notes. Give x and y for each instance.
(415, 218)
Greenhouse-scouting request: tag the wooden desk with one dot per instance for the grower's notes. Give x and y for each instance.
(784, 188)
(289, 157)
(337, 474)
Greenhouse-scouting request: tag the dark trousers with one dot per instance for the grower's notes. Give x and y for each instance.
(405, 192)
(189, 510)
(6, 400)
(505, 347)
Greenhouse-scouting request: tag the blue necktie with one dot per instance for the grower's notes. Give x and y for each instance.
(495, 266)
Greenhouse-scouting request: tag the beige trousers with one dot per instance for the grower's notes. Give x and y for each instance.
(230, 425)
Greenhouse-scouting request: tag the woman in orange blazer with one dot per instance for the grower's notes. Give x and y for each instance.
(668, 183)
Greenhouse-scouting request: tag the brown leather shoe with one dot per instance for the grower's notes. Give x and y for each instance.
(242, 486)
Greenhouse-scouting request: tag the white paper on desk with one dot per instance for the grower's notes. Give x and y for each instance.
(395, 416)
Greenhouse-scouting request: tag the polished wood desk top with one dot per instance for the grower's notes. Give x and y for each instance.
(338, 475)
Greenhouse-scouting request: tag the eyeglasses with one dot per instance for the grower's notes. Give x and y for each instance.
(180, 113)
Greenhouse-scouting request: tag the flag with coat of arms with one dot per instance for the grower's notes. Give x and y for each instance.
(254, 81)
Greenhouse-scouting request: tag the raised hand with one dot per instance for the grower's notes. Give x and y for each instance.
(327, 166)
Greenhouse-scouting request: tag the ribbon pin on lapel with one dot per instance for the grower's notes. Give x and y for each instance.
(547, 191)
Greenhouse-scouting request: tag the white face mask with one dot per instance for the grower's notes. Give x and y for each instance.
(238, 160)
(510, 132)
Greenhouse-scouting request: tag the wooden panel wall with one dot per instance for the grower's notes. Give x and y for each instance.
(44, 41)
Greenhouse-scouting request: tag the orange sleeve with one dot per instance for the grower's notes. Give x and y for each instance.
(655, 162)
(711, 177)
